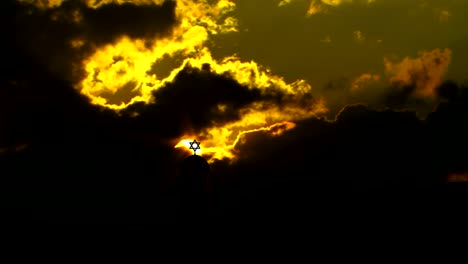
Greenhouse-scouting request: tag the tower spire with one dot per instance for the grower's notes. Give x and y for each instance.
(194, 145)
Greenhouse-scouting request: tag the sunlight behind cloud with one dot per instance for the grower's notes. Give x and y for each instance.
(220, 141)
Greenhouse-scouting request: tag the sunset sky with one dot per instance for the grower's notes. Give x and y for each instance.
(115, 87)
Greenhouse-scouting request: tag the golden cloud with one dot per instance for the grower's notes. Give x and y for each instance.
(425, 71)
(198, 22)
(314, 8)
(284, 2)
(125, 67)
(358, 36)
(220, 141)
(43, 3)
(363, 80)
(319, 6)
(89, 3)
(128, 61)
(335, 2)
(443, 15)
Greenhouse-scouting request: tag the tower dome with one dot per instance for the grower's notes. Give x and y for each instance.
(193, 176)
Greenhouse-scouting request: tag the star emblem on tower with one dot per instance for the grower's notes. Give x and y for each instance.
(194, 145)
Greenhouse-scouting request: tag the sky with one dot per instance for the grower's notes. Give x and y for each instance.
(103, 97)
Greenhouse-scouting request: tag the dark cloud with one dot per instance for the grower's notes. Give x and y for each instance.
(193, 101)
(199, 99)
(49, 129)
(379, 95)
(400, 96)
(47, 35)
(364, 146)
(105, 24)
(448, 90)
(339, 84)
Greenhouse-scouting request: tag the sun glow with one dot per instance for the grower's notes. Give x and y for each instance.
(219, 142)
(226, 149)
(185, 143)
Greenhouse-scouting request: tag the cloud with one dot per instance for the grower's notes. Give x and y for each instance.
(314, 8)
(412, 83)
(62, 36)
(108, 49)
(320, 6)
(108, 23)
(339, 2)
(448, 90)
(79, 30)
(72, 145)
(335, 2)
(275, 103)
(54, 143)
(363, 80)
(254, 106)
(443, 15)
(358, 36)
(43, 4)
(362, 146)
(284, 2)
(423, 73)
(219, 138)
(117, 69)
(326, 39)
(197, 21)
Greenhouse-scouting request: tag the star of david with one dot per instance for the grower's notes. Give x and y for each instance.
(194, 146)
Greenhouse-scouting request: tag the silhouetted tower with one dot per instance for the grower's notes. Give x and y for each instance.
(194, 185)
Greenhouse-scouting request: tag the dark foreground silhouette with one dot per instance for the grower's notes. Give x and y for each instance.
(64, 160)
